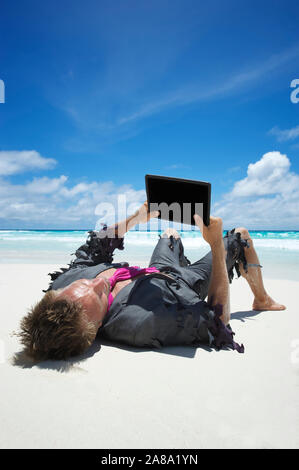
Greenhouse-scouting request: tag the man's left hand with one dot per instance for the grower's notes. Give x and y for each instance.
(142, 215)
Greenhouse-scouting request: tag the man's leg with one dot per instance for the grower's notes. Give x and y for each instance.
(203, 269)
(217, 272)
(169, 251)
(262, 300)
(170, 232)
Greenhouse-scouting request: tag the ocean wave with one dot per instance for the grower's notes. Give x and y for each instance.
(44, 238)
(191, 243)
(278, 244)
(22, 239)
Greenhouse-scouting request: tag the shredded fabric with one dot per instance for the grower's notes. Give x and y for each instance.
(236, 246)
(99, 248)
(223, 336)
(149, 312)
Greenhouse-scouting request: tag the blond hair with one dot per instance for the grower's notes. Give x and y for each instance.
(56, 329)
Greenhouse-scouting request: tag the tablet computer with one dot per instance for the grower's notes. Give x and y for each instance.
(178, 199)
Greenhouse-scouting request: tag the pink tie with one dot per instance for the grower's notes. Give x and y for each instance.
(122, 274)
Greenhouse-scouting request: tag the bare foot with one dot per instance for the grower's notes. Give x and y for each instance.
(267, 304)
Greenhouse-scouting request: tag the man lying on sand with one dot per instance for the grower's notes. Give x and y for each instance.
(152, 307)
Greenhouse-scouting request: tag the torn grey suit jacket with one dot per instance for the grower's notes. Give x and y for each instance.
(154, 310)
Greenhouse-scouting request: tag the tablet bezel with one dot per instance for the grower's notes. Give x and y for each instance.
(182, 180)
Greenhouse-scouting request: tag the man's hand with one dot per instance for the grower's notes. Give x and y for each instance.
(211, 233)
(121, 228)
(218, 293)
(142, 215)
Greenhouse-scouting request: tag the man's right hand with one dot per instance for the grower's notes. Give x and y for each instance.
(211, 233)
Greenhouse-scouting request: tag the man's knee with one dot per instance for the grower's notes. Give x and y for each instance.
(244, 232)
(170, 232)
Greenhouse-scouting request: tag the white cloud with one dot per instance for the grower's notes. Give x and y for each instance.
(46, 185)
(269, 175)
(197, 93)
(286, 134)
(12, 162)
(50, 202)
(267, 198)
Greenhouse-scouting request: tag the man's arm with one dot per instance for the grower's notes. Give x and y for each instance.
(219, 285)
(141, 216)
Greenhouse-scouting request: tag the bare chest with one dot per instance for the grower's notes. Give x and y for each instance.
(119, 285)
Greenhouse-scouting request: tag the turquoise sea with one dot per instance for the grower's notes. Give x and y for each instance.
(278, 250)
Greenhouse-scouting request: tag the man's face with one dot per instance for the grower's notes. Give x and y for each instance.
(92, 294)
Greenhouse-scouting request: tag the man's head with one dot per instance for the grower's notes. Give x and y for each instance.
(65, 322)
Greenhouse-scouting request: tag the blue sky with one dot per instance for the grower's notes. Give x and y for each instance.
(97, 94)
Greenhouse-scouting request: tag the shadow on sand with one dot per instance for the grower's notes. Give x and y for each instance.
(181, 351)
(245, 314)
(20, 360)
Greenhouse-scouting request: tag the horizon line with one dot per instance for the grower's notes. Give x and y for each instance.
(132, 230)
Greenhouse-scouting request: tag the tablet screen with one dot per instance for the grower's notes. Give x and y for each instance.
(178, 199)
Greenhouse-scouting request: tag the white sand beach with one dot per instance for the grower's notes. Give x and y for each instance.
(180, 397)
